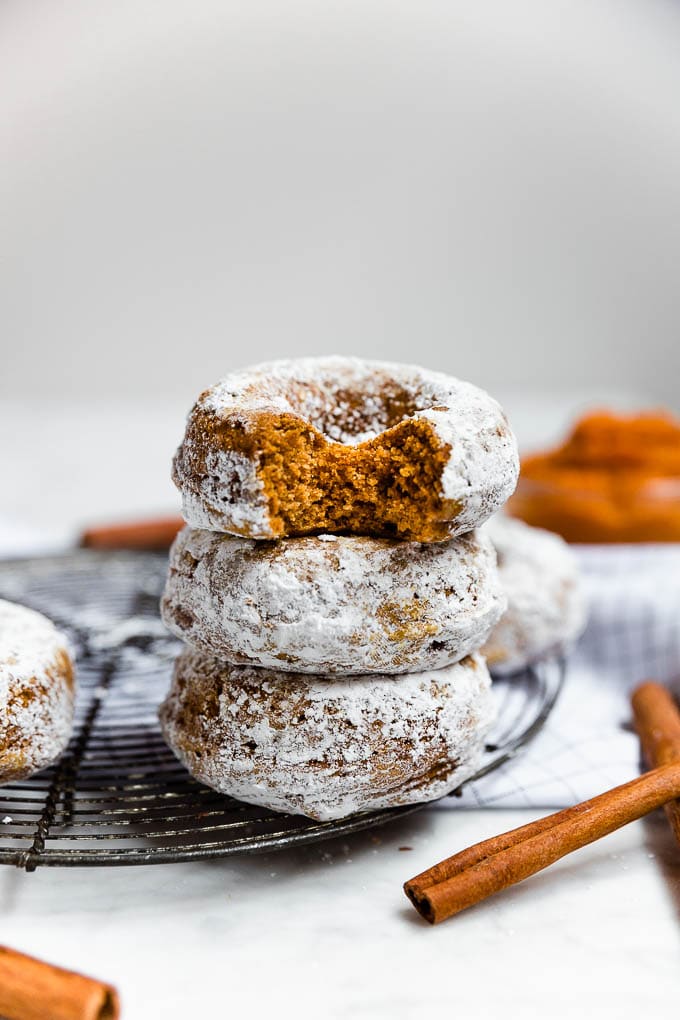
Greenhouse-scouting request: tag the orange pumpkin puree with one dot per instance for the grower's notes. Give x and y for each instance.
(615, 479)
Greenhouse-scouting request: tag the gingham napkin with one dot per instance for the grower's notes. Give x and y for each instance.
(633, 634)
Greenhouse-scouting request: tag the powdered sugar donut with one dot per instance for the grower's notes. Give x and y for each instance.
(327, 748)
(333, 604)
(344, 445)
(546, 608)
(36, 692)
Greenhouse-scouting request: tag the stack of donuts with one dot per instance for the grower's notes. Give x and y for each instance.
(330, 585)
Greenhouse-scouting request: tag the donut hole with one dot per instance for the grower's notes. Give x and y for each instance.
(350, 415)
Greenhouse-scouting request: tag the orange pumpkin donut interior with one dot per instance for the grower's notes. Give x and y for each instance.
(388, 485)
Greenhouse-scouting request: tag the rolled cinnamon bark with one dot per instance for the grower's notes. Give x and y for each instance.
(657, 720)
(33, 990)
(504, 860)
(147, 535)
(464, 859)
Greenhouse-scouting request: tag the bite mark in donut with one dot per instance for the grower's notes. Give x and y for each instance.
(387, 486)
(341, 445)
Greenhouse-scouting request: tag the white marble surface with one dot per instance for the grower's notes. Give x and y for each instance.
(324, 931)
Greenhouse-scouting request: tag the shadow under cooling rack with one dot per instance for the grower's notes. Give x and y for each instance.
(118, 795)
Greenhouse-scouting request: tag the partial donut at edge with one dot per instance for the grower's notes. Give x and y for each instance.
(546, 605)
(36, 692)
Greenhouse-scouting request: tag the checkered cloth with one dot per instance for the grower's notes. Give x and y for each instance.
(633, 634)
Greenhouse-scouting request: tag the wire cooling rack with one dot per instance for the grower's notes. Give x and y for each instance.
(118, 795)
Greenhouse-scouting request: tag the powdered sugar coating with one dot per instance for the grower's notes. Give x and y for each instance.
(479, 476)
(36, 692)
(247, 512)
(546, 606)
(327, 748)
(333, 604)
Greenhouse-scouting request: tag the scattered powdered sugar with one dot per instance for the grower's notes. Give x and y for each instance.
(141, 629)
(36, 692)
(140, 643)
(483, 464)
(327, 748)
(333, 604)
(546, 606)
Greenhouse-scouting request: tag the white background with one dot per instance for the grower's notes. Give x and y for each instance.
(489, 188)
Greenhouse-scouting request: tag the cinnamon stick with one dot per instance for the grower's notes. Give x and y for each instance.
(657, 720)
(497, 863)
(147, 535)
(481, 851)
(33, 990)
